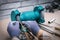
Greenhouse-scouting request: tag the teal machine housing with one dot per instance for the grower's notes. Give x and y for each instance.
(36, 15)
(13, 15)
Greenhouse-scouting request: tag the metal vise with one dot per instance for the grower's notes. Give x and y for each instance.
(36, 15)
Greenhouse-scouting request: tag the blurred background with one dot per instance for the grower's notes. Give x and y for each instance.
(6, 6)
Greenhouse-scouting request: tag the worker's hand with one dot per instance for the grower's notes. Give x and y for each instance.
(26, 25)
(13, 29)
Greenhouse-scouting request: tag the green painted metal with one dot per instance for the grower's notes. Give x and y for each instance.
(13, 15)
(28, 16)
(36, 15)
(38, 8)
